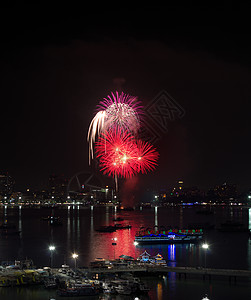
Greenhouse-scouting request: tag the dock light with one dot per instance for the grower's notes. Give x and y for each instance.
(51, 248)
(75, 256)
(135, 243)
(205, 246)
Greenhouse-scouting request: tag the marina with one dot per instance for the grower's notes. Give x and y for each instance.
(115, 255)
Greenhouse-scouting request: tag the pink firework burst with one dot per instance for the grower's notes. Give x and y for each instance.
(122, 110)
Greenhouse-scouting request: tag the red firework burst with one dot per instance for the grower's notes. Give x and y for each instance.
(115, 150)
(147, 156)
(120, 155)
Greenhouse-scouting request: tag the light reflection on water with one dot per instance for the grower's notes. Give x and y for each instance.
(78, 234)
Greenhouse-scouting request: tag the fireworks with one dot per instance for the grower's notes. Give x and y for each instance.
(121, 155)
(147, 156)
(121, 111)
(118, 110)
(115, 126)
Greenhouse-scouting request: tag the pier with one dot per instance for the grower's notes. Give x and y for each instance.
(181, 271)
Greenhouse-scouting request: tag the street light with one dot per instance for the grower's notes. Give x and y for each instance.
(51, 248)
(205, 246)
(75, 256)
(114, 244)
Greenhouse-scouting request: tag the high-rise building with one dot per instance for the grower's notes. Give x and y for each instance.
(225, 191)
(57, 187)
(6, 184)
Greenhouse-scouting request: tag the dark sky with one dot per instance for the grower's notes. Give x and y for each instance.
(56, 67)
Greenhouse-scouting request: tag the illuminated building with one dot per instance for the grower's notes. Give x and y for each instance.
(6, 184)
(57, 187)
(224, 192)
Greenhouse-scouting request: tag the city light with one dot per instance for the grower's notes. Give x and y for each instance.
(51, 248)
(205, 246)
(135, 243)
(75, 256)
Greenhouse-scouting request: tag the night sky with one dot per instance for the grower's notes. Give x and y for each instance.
(56, 68)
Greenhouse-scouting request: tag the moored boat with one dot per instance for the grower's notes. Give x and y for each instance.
(113, 228)
(120, 226)
(77, 292)
(119, 219)
(106, 229)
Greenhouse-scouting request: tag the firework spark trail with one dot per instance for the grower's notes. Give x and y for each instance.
(120, 111)
(95, 128)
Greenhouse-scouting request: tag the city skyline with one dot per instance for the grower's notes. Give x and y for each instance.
(52, 81)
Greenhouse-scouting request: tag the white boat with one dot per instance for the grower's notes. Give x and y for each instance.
(108, 288)
(123, 289)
